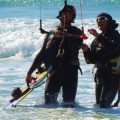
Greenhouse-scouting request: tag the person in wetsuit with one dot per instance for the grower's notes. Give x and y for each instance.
(105, 54)
(61, 50)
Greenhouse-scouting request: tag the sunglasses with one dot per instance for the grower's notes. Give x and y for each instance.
(102, 18)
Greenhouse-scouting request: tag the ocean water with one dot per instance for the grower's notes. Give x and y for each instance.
(20, 41)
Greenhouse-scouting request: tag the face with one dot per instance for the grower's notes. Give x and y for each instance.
(67, 16)
(102, 23)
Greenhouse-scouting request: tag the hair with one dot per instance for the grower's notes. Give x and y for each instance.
(111, 23)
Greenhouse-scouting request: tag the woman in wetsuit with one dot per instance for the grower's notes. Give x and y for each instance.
(105, 54)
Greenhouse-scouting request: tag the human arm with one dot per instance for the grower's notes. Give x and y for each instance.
(105, 46)
(70, 33)
(37, 61)
(88, 54)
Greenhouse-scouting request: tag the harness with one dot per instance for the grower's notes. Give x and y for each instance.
(115, 65)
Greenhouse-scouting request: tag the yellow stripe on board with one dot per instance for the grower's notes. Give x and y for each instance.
(24, 87)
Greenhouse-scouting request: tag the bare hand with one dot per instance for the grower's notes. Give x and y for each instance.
(58, 33)
(93, 32)
(84, 47)
(28, 79)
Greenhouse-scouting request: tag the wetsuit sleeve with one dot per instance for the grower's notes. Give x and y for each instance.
(38, 59)
(111, 44)
(109, 48)
(89, 56)
(74, 33)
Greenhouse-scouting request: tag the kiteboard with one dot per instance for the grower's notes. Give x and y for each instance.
(20, 93)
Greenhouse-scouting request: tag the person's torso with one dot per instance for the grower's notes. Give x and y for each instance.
(99, 50)
(70, 47)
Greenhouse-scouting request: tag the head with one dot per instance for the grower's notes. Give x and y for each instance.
(16, 93)
(67, 14)
(105, 22)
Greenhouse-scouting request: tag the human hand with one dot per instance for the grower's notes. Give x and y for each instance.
(84, 47)
(28, 79)
(58, 33)
(93, 32)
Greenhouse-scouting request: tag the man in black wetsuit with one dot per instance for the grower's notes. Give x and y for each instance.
(65, 43)
(105, 54)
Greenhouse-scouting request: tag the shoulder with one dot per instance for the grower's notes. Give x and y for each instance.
(116, 35)
(74, 30)
(115, 32)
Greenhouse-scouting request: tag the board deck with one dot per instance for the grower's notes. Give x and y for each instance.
(26, 90)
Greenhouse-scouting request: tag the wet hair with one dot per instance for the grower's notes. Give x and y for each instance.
(64, 9)
(111, 23)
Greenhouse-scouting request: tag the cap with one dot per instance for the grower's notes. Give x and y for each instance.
(112, 23)
(105, 15)
(64, 9)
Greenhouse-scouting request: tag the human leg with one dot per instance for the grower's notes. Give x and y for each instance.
(109, 91)
(98, 90)
(98, 87)
(69, 84)
(52, 89)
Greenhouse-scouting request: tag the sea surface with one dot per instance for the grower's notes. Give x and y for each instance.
(20, 41)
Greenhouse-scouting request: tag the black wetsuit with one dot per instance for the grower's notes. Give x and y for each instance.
(65, 66)
(103, 49)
